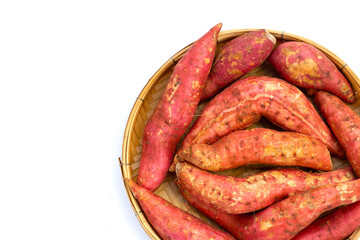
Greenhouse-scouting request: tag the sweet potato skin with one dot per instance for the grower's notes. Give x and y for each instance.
(175, 110)
(171, 222)
(237, 58)
(288, 217)
(334, 226)
(242, 195)
(259, 145)
(305, 66)
(345, 124)
(245, 101)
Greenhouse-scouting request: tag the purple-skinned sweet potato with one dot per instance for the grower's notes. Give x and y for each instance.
(305, 66)
(236, 58)
(344, 123)
(335, 226)
(242, 195)
(175, 110)
(170, 222)
(259, 146)
(245, 101)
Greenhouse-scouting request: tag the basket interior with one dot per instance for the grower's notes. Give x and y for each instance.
(148, 99)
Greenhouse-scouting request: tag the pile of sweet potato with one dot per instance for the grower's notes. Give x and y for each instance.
(283, 202)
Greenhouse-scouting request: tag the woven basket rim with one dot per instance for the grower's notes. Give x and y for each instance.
(171, 62)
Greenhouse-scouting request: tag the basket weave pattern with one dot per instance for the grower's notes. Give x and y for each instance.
(148, 99)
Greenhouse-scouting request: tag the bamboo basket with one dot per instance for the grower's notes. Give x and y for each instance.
(148, 99)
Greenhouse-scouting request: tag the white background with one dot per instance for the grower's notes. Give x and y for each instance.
(70, 72)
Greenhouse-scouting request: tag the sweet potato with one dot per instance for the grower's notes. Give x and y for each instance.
(305, 66)
(175, 110)
(237, 58)
(259, 145)
(241, 195)
(236, 224)
(345, 124)
(285, 219)
(245, 101)
(334, 226)
(171, 222)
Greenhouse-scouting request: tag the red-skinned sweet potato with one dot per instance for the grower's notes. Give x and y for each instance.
(175, 110)
(259, 145)
(236, 224)
(285, 219)
(237, 58)
(245, 101)
(305, 66)
(345, 124)
(334, 226)
(171, 222)
(242, 195)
